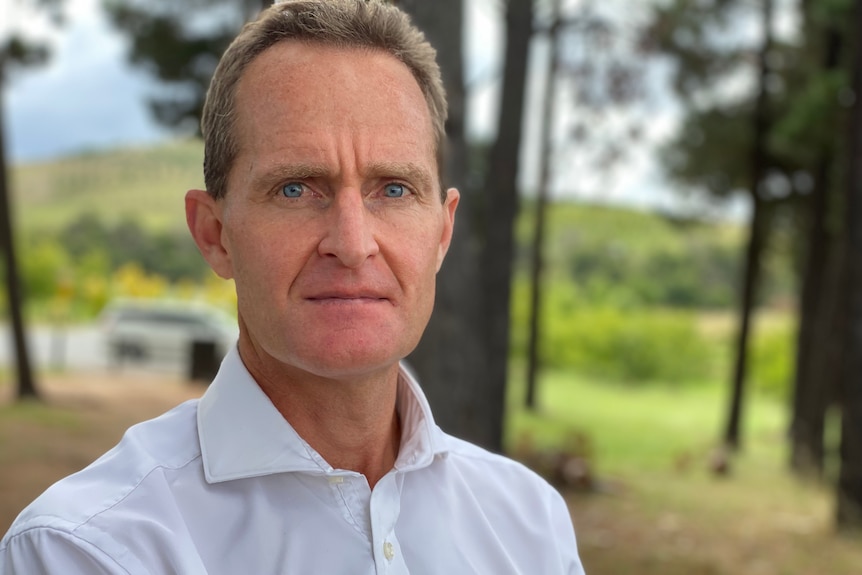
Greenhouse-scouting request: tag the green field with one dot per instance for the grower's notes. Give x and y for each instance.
(656, 507)
(147, 184)
(650, 428)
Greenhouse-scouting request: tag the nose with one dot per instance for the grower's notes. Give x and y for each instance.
(349, 235)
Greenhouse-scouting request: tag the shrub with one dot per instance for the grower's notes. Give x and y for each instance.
(42, 266)
(771, 364)
(629, 344)
(632, 346)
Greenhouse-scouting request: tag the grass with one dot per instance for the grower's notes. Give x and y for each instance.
(37, 413)
(644, 427)
(144, 183)
(660, 509)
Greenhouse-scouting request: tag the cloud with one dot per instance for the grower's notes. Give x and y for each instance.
(87, 97)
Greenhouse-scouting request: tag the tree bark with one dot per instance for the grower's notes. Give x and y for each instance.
(815, 374)
(501, 207)
(815, 377)
(757, 235)
(849, 499)
(537, 257)
(26, 387)
(751, 279)
(451, 359)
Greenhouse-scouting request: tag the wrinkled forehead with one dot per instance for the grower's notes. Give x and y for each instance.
(304, 64)
(296, 95)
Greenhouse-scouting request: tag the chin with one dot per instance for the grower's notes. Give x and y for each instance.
(344, 369)
(336, 359)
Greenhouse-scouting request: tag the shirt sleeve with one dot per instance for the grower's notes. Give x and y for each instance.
(48, 551)
(566, 541)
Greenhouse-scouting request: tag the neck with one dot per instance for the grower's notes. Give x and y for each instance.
(353, 424)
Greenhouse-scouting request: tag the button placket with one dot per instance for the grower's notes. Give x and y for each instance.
(351, 492)
(385, 508)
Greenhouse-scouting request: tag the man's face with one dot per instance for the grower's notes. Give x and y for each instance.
(332, 225)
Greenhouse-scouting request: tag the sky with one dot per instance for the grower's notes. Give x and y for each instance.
(89, 98)
(86, 98)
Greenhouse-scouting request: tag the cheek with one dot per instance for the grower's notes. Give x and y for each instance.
(260, 260)
(421, 264)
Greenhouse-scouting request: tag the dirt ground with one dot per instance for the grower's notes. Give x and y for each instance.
(83, 416)
(645, 528)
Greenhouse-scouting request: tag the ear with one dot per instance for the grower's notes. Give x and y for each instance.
(204, 218)
(450, 204)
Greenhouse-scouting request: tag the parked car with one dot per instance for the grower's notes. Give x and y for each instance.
(158, 330)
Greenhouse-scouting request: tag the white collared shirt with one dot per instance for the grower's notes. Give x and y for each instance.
(224, 486)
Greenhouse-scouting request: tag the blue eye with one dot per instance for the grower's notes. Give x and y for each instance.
(394, 190)
(292, 190)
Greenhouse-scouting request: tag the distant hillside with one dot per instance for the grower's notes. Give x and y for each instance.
(148, 184)
(611, 253)
(145, 183)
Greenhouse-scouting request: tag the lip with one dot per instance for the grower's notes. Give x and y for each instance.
(346, 297)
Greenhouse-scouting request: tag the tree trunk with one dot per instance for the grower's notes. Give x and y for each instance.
(501, 207)
(757, 235)
(849, 500)
(756, 242)
(545, 154)
(26, 383)
(815, 378)
(809, 401)
(451, 359)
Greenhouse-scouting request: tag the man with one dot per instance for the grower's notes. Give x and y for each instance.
(313, 451)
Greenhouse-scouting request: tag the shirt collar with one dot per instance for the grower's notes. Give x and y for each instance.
(242, 434)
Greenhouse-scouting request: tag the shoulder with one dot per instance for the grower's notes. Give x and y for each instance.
(497, 475)
(488, 491)
(166, 443)
(464, 453)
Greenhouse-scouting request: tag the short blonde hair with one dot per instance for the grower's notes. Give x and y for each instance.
(341, 23)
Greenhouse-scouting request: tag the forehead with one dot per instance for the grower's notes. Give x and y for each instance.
(302, 87)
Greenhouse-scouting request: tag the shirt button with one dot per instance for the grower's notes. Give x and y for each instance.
(388, 550)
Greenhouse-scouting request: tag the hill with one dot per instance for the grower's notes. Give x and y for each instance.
(611, 252)
(147, 184)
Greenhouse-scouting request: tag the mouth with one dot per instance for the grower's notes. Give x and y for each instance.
(339, 297)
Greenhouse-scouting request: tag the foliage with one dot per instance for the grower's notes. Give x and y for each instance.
(772, 357)
(170, 253)
(626, 257)
(44, 265)
(713, 57)
(634, 346)
(17, 49)
(631, 345)
(179, 43)
(618, 279)
(78, 268)
(73, 249)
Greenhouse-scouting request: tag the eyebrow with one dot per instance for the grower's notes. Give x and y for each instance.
(407, 171)
(285, 172)
(411, 172)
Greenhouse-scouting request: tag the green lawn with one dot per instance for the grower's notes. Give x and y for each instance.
(659, 509)
(643, 427)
